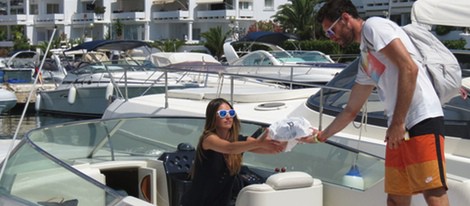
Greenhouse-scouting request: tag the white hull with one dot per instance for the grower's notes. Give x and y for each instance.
(7, 100)
(89, 101)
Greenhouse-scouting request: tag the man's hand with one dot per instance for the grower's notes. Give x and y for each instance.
(395, 136)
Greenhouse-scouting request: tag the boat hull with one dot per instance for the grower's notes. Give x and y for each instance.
(89, 101)
(7, 100)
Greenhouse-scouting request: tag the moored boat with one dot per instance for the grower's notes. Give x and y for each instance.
(88, 88)
(7, 100)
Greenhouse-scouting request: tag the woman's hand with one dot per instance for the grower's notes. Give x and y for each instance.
(269, 145)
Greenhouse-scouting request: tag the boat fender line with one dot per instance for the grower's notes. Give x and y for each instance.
(37, 104)
(109, 91)
(72, 95)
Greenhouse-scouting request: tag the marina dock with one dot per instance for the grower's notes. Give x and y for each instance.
(22, 90)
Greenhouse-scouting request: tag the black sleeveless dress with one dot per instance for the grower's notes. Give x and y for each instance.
(212, 184)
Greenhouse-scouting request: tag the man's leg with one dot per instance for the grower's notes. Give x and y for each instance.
(436, 197)
(398, 200)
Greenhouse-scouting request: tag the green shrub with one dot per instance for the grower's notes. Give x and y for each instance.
(455, 44)
(443, 30)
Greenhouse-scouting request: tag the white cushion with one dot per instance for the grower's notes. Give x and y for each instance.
(289, 180)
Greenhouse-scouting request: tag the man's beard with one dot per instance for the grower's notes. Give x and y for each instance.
(348, 38)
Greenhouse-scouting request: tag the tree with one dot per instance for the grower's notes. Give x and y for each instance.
(298, 17)
(3, 34)
(20, 41)
(99, 9)
(215, 40)
(119, 28)
(171, 45)
(265, 26)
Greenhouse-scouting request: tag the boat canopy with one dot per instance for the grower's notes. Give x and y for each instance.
(438, 12)
(269, 37)
(119, 45)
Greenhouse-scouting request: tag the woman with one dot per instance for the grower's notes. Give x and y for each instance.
(219, 156)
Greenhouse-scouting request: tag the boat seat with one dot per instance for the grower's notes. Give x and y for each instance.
(177, 167)
(458, 190)
(288, 188)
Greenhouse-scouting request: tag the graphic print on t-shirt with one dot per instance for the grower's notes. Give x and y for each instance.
(372, 66)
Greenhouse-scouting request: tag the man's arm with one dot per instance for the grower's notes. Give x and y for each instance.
(358, 97)
(407, 75)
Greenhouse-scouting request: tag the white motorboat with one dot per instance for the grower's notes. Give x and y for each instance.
(7, 100)
(22, 67)
(275, 62)
(96, 81)
(320, 109)
(269, 105)
(145, 161)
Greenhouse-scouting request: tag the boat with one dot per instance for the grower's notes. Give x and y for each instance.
(271, 105)
(94, 81)
(364, 134)
(275, 62)
(7, 100)
(22, 66)
(183, 60)
(145, 160)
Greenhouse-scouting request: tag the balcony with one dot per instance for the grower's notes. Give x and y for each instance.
(49, 19)
(18, 19)
(245, 14)
(170, 15)
(129, 16)
(216, 14)
(86, 18)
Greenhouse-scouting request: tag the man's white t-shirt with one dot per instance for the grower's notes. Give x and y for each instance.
(376, 69)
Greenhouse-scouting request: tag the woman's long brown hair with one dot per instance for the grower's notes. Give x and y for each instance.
(233, 161)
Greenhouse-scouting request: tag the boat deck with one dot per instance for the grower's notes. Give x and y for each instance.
(22, 90)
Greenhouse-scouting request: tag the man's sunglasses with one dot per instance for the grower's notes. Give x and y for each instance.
(329, 32)
(223, 113)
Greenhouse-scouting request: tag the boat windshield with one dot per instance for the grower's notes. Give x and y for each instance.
(48, 156)
(114, 66)
(301, 56)
(33, 177)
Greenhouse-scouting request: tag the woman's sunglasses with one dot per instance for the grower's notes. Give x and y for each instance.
(223, 113)
(329, 32)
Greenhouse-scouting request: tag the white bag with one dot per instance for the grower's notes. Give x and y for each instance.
(290, 130)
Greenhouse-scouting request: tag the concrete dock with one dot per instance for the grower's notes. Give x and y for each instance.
(22, 90)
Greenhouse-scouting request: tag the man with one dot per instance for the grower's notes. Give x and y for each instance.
(415, 165)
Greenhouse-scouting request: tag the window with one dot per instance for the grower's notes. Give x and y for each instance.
(245, 6)
(33, 9)
(196, 34)
(52, 9)
(268, 4)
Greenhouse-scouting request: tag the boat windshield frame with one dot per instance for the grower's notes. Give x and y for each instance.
(146, 138)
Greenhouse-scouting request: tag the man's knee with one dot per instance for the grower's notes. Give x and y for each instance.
(436, 196)
(398, 200)
(437, 192)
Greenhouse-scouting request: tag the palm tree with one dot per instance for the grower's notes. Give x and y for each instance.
(3, 35)
(168, 45)
(298, 17)
(215, 39)
(20, 40)
(119, 29)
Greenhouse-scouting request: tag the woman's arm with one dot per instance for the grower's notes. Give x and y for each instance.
(268, 150)
(218, 144)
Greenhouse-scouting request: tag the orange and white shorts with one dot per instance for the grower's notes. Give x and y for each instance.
(419, 163)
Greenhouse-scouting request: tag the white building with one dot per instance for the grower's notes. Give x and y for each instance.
(141, 19)
(154, 19)
(400, 10)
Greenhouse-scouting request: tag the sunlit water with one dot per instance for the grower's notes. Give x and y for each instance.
(9, 122)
